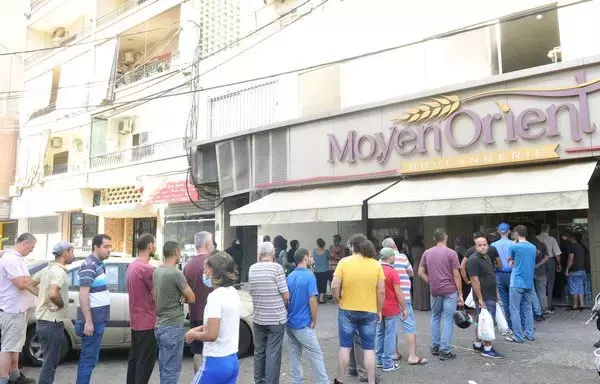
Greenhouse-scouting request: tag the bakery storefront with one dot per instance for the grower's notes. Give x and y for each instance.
(519, 149)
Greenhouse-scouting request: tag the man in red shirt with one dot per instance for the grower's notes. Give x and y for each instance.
(142, 313)
(194, 271)
(393, 307)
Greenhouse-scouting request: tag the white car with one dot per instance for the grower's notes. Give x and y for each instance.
(117, 334)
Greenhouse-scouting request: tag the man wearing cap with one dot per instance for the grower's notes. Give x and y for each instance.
(503, 274)
(52, 308)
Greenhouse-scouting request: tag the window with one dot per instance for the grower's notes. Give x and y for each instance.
(9, 231)
(83, 229)
(112, 277)
(60, 163)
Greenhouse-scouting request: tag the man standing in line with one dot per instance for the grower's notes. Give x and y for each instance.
(483, 281)
(302, 319)
(270, 297)
(409, 328)
(522, 257)
(52, 308)
(94, 306)
(440, 268)
(171, 290)
(575, 271)
(553, 264)
(193, 272)
(15, 293)
(503, 274)
(142, 313)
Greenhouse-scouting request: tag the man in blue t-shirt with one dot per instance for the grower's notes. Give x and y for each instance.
(503, 274)
(302, 318)
(522, 257)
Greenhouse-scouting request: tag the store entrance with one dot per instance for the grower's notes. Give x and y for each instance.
(140, 227)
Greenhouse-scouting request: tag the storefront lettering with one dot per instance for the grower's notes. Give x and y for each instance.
(529, 124)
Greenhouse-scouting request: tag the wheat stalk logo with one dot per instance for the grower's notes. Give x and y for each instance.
(433, 109)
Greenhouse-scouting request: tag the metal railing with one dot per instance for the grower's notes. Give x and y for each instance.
(36, 4)
(56, 169)
(117, 12)
(71, 38)
(43, 111)
(148, 70)
(146, 152)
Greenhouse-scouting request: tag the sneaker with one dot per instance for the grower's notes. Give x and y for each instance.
(435, 350)
(540, 318)
(548, 312)
(447, 356)
(393, 368)
(22, 379)
(507, 333)
(479, 349)
(378, 365)
(365, 380)
(352, 373)
(511, 339)
(491, 354)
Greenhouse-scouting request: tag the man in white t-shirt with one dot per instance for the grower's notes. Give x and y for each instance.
(16, 299)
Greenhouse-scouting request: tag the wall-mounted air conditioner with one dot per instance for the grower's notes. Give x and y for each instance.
(125, 127)
(56, 142)
(59, 34)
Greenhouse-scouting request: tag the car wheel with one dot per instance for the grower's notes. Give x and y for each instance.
(32, 350)
(245, 343)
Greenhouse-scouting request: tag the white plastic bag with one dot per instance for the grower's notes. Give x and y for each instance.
(470, 302)
(501, 319)
(485, 327)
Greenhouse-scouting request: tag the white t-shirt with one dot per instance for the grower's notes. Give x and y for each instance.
(223, 303)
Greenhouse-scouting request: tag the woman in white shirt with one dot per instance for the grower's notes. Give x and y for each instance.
(221, 330)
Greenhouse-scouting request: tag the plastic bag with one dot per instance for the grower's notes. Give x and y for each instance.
(470, 302)
(501, 319)
(485, 327)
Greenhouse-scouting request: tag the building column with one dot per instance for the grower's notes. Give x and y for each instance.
(160, 230)
(594, 233)
(23, 226)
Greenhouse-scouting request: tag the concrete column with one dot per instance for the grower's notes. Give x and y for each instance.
(23, 226)
(190, 32)
(100, 224)
(594, 233)
(160, 229)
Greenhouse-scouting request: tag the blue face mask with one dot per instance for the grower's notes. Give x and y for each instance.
(207, 280)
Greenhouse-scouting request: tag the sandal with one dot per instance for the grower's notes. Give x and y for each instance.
(397, 357)
(421, 361)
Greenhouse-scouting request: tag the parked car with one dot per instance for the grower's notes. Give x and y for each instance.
(117, 334)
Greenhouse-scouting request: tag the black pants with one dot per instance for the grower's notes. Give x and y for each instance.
(142, 356)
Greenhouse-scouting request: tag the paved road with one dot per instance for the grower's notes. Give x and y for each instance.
(561, 354)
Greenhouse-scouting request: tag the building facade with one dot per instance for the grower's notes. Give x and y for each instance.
(409, 123)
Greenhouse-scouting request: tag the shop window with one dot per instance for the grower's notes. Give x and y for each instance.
(10, 233)
(83, 229)
(530, 41)
(182, 229)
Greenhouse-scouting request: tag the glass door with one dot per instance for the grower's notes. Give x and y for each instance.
(140, 227)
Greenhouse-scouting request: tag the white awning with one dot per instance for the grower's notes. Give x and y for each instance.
(536, 188)
(123, 211)
(323, 204)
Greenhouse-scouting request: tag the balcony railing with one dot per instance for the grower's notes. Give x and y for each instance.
(117, 12)
(43, 111)
(36, 4)
(155, 151)
(150, 69)
(73, 36)
(56, 169)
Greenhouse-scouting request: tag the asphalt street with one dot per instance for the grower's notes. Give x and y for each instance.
(562, 353)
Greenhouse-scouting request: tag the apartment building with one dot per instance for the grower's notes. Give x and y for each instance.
(93, 157)
(12, 39)
(384, 117)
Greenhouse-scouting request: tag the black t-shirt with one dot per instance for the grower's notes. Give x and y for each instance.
(541, 251)
(492, 253)
(578, 257)
(483, 268)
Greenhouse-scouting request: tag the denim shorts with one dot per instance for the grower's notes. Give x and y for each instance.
(409, 326)
(351, 321)
(576, 282)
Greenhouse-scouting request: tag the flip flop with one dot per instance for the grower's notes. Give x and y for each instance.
(421, 361)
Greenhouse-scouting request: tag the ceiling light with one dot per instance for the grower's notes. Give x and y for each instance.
(539, 17)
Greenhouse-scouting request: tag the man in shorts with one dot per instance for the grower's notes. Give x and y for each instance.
(16, 288)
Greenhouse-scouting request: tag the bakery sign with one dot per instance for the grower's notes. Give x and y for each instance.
(435, 120)
(173, 192)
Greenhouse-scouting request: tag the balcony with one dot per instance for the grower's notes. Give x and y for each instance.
(141, 153)
(35, 4)
(56, 169)
(156, 66)
(64, 154)
(117, 12)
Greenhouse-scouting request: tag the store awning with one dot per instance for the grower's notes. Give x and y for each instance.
(536, 188)
(123, 211)
(323, 204)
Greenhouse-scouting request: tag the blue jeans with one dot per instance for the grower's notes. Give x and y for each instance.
(306, 339)
(51, 335)
(503, 285)
(170, 340)
(442, 329)
(386, 341)
(218, 370)
(537, 308)
(351, 321)
(90, 351)
(521, 302)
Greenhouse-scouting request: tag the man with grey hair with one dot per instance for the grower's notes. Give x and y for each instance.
(193, 272)
(270, 297)
(440, 269)
(553, 264)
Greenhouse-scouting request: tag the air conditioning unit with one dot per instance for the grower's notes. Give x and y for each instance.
(59, 34)
(14, 191)
(56, 142)
(125, 127)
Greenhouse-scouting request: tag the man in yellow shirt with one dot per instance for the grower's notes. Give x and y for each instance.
(52, 308)
(358, 288)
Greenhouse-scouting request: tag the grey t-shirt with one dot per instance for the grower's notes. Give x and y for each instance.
(169, 284)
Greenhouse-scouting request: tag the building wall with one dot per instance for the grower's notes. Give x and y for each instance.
(121, 232)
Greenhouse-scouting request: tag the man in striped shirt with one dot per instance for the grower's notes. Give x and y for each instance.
(94, 306)
(405, 271)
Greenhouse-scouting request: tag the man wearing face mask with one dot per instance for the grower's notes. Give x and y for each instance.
(201, 286)
(142, 313)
